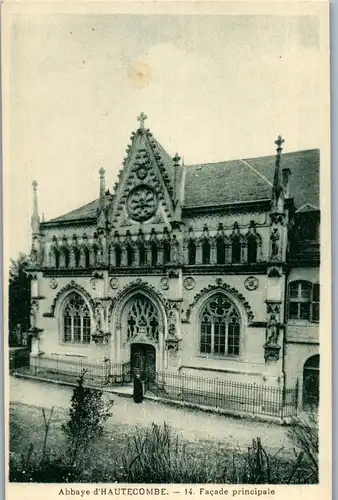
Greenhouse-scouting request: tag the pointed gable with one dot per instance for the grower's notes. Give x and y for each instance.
(146, 184)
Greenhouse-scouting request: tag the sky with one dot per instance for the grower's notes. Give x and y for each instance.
(213, 88)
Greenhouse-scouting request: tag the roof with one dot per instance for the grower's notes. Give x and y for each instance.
(235, 181)
(251, 179)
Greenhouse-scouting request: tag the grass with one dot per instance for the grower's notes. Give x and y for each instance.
(155, 454)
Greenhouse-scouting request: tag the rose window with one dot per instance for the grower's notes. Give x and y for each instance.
(141, 204)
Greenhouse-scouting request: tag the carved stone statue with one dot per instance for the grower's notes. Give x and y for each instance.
(272, 330)
(274, 238)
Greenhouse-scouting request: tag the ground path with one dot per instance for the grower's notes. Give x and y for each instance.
(193, 425)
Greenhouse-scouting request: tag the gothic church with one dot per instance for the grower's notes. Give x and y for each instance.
(209, 270)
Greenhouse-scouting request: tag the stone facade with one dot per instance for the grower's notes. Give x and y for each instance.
(204, 286)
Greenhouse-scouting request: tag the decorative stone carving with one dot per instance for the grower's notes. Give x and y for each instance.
(271, 346)
(72, 285)
(142, 203)
(53, 283)
(220, 286)
(34, 330)
(274, 239)
(173, 273)
(114, 283)
(93, 283)
(164, 284)
(189, 283)
(251, 283)
(173, 339)
(274, 272)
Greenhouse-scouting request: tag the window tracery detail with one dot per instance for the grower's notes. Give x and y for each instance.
(142, 319)
(76, 321)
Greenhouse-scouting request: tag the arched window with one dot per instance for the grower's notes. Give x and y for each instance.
(56, 257)
(220, 251)
(86, 256)
(166, 251)
(117, 255)
(77, 254)
(220, 327)
(236, 251)
(153, 253)
(311, 381)
(252, 249)
(65, 257)
(191, 253)
(304, 301)
(76, 320)
(142, 253)
(142, 318)
(205, 252)
(130, 255)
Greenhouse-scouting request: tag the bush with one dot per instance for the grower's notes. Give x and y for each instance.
(87, 414)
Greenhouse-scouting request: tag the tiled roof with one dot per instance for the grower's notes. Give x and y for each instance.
(251, 179)
(238, 180)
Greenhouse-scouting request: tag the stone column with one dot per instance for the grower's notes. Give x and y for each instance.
(213, 252)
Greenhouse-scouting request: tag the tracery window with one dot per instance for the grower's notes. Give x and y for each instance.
(142, 318)
(76, 320)
(304, 301)
(220, 327)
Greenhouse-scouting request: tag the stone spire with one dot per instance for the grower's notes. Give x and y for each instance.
(35, 220)
(102, 183)
(277, 199)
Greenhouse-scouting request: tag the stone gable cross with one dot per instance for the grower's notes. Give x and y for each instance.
(142, 119)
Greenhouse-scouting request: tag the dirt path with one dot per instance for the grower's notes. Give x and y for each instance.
(192, 424)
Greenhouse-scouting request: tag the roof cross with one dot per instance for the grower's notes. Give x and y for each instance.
(279, 142)
(142, 119)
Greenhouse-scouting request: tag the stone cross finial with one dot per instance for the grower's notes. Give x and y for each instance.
(142, 119)
(279, 142)
(176, 160)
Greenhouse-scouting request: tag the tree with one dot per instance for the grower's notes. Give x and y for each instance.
(19, 297)
(87, 414)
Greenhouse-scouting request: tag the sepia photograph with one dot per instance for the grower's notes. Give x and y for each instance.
(167, 248)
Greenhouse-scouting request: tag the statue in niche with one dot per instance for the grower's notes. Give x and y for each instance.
(175, 250)
(275, 243)
(98, 317)
(273, 330)
(34, 314)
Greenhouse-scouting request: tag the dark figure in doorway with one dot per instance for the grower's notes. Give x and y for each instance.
(138, 389)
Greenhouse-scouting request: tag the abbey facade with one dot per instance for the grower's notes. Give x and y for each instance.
(209, 270)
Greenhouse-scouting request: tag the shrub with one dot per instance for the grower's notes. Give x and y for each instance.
(87, 414)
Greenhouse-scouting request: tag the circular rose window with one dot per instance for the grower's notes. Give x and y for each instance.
(141, 203)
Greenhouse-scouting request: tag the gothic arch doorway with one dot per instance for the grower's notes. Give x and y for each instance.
(142, 327)
(311, 382)
(143, 361)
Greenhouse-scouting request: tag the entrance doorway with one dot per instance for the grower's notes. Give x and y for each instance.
(143, 361)
(311, 382)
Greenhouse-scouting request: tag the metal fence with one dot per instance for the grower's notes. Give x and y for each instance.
(225, 394)
(100, 374)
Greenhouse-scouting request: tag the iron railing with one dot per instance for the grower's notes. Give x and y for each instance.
(225, 394)
(100, 374)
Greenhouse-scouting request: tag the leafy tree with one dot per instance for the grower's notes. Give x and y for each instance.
(19, 297)
(87, 414)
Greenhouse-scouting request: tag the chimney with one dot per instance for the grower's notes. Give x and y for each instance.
(102, 183)
(286, 172)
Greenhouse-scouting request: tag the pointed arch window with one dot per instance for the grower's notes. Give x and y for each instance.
(220, 251)
(118, 255)
(166, 251)
(154, 253)
(65, 257)
(55, 260)
(142, 253)
(205, 252)
(76, 320)
(77, 255)
(252, 249)
(142, 318)
(130, 255)
(219, 327)
(191, 252)
(236, 250)
(86, 256)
